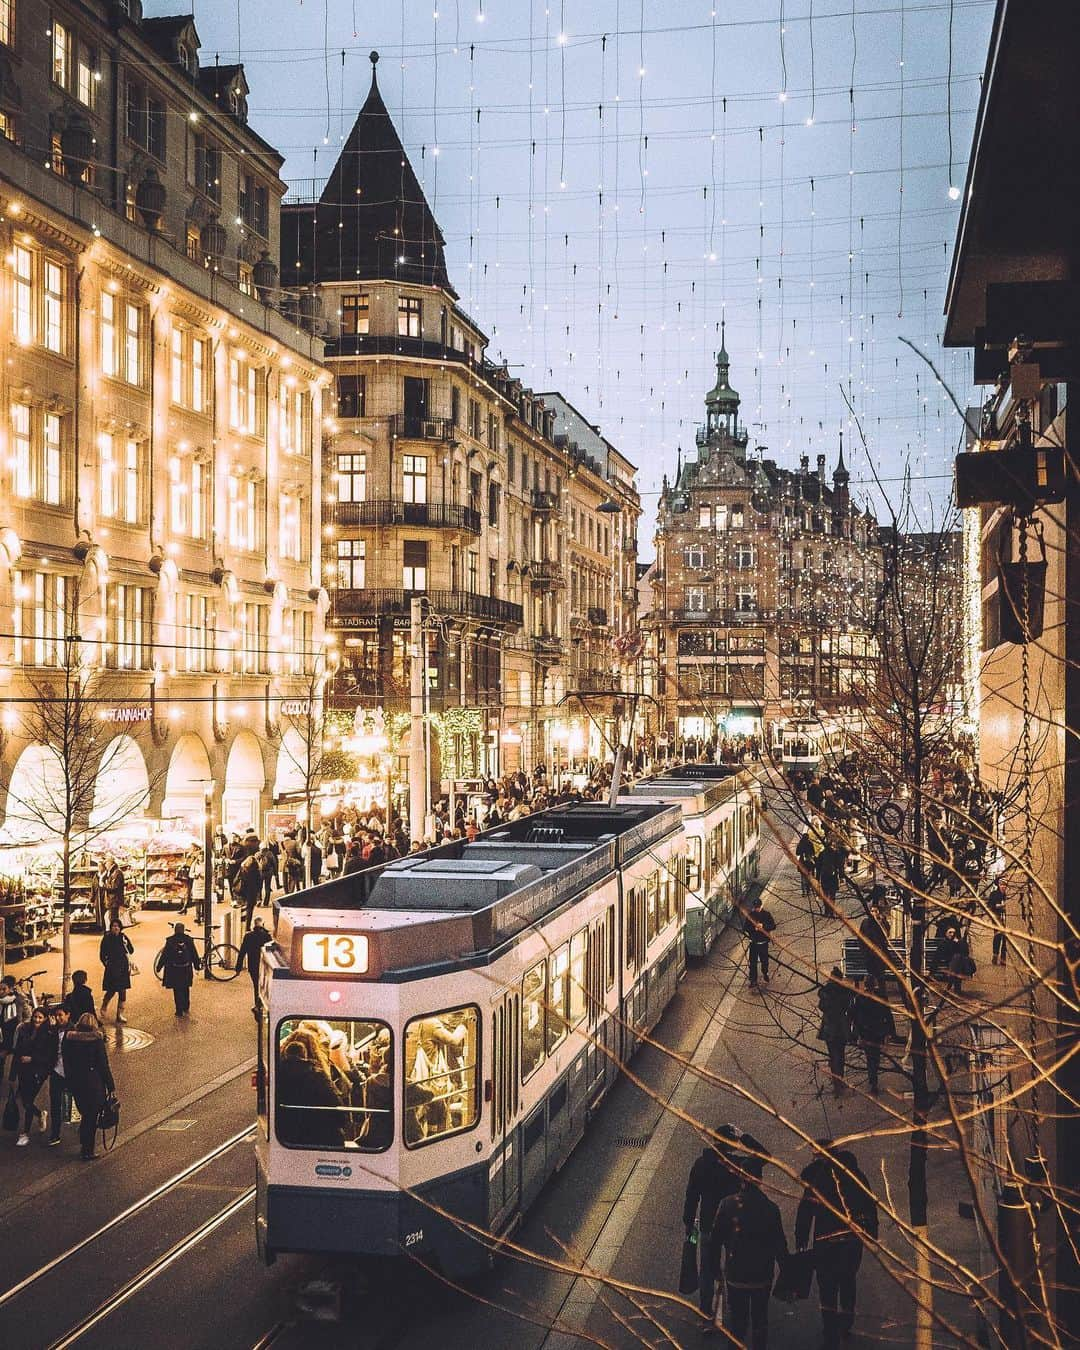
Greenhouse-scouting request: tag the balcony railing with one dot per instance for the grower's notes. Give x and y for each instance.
(406, 427)
(597, 617)
(544, 501)
(720, 618)
(427, 515)
(546, 573)
(382, 600)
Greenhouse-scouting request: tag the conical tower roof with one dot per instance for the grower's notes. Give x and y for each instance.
(372, 221)
(841, 477)
(721, 396)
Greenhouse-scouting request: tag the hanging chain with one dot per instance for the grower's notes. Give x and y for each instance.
(1027, 888)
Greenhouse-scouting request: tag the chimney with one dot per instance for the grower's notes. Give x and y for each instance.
(821, 468)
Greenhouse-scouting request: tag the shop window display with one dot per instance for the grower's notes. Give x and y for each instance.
(441, 1081)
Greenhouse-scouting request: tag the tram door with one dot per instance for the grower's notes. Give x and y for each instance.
(503, 1104)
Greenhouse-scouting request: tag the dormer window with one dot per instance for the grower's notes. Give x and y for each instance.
(185, 58)
(238, 104)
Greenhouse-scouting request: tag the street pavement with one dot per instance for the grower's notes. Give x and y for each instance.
(721, 1053)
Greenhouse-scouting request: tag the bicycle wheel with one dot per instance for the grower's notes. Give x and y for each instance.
(223, 961)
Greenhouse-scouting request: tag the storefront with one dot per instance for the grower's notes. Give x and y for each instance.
(245, 778)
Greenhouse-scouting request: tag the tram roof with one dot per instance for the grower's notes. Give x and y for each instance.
(711, 789)
(462, 899)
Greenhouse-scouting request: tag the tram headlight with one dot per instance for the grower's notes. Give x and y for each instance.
(334, 996)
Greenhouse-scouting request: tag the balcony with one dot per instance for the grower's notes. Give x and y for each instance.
(405, 427)
(546, 573)
(426, 515)
(463, 604)
(722, 618)
(597, 682)
(596, 617)
(544, 501)
(547, 645)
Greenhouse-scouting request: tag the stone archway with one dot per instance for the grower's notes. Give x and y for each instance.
(35, 796)
(245, 778)
(122, 786)
(187, 779)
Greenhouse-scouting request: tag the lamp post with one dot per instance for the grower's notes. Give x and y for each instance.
(208, 876)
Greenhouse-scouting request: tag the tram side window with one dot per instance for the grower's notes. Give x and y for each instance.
(651, 899)
(578, 948)
(533, 991)
(631, 928)
(558, 988)
(693, 864)
(441, 1081)
(334, 1084)
(611, 947)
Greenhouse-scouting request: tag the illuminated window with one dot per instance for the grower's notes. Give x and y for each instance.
(252, 639)
(292, 420)
(134, 328)
(128, 623)
(7, 22)
(352, 478)
(176, 365)
(23, 295)
(533, 988)
(558, 988)
(41, 618)
(408, 324)
(414, 472)
(196, 641)
(245, 278)
(53, 330)
(414, 565)
(120, 475)
(351, 564)
(51, 490)
(110, 350)
(290, 527)
(198, 374)
(442, 1081)
(61, 54)
(22, 482)
(578, 951)
(334, 1085)
(244, 389)
(355, 310)
(245, 500)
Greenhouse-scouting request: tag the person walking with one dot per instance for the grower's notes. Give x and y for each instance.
(81, 1000)
(86, 1068)
(115, 954)
(874, 937)
(713, 1177)
(834, 1000)
(805, 854)
(112, 884)
(30, 1065)
(315, 860)
(177, 962)
(750, 1231)
(59, 1094)
(268, 870)
(255, 939)
(758, 926)
(837, 1206)
(995, 903)
(873, 1024)
(249, 885)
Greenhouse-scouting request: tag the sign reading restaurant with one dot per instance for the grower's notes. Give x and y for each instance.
(128, 713)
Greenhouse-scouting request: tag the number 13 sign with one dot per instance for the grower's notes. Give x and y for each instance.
(334, 953)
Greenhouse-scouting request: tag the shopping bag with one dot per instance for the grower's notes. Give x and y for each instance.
(795, 1276)
(688, 1274)
(108, 1121)
(11, 1112)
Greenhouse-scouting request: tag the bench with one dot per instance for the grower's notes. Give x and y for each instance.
(853, 957)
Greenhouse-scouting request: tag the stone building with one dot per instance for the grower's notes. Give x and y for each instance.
(765, 578)
(161, 419)
(444, 477)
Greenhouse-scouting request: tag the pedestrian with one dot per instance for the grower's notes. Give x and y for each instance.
(834, 1000)
(197, 883)
(758, 925)
(30, 1065)
(255, 939)
(292, 863)
(995, 903)
(873, 1024)
(249, 886)
(59, 1095)
(177, 962)
(830, 866)
(874, 937)
(750, 1231)
(268, 870)
(713, 1178)
(354, 862)
(838, 1207)
(80, 1000)
(315, 861)
(805, 853)
(112, 885)
(14, 1010)
(86, 1068)
(115, 954)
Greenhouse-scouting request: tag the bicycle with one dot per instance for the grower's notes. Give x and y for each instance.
(46, 1001)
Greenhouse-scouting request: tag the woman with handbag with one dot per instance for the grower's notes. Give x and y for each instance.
(30, 1067)
(115, 954)
(89, 1078)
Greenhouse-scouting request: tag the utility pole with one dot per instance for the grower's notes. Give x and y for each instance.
(417, 761)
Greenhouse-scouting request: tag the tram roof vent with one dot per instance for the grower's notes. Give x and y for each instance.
(449, 883)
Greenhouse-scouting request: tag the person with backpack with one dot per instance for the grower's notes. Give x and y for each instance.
(838, 1207)
(176, 963)
(249, 886)
(268, 870)
(758, 926)
(88, 1077)
(750, 1232)
(713, 1177)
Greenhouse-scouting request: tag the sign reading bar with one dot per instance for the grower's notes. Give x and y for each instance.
(334, 953)
(129, 712)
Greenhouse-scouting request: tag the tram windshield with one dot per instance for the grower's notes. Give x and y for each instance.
(796, 747)
(334, 1084)
(441, 1083)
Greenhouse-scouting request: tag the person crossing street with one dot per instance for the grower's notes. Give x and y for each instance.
(759, 925)
(255, 939)
(176, 964)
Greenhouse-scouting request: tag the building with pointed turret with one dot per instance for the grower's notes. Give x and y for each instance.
(445, 478)
(764, 584)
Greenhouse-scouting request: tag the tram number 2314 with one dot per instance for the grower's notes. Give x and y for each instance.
(334, 953)
(411, 1239)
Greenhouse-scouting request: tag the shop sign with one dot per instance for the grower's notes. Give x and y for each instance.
(368, 623)
(128, 713)
(295, 707)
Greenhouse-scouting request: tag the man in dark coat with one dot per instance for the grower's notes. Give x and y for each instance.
(112, 885)
(249, 886)
(713, 1177)
(751, 1232)
(838, 1206)
(873, 1023)
(176, 963)
(255, 939)
(80, 1000)
(758, 927)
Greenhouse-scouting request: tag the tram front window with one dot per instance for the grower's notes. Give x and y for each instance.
(334, 1084)
(441, 1055)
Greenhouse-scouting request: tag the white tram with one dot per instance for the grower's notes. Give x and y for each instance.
(436, 1031)
(721, 814)
(808, 746)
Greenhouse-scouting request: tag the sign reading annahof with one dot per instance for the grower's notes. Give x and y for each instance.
(128, 712)
(334, 953)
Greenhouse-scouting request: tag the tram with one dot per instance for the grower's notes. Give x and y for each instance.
(807, 746)
(721, 814)
(436, 1032)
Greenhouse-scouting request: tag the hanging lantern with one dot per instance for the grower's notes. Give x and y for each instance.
(265, 275)
(150, 199)
(77, 146)
(213, 237)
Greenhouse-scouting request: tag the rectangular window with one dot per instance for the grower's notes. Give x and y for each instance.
(290, 532)
(244, 396)
(85, 62)
(292, 419)
(408, 321)
(176, 366)
(61, 54)
(23, 295)
(578, 949)
(131, 485)
(316, 1104)
(693, 863)
(414, 565)
(352, 478)
(350, 396)
(245, 497)
(252, 639)
(110, 346)
(128, 627)
(40, 618)
(704, 517)
(134, 333)
(22, 474)
(7, 22)
(199, 366)
(208, 168)
(557, 996)
(442, 1078)
(53, 330)
(52, 485)
(254, 204)
(352, 564)
(355, 314)
(196, 640)
(414, 470)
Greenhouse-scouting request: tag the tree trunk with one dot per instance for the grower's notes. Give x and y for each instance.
(65, 973)
(918, 1201)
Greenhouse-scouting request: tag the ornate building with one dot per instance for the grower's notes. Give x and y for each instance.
(160, 418)
(445, 478)
(765, 579)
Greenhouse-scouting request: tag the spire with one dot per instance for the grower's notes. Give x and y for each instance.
(722, 357)
(722, 398)
(841, 477)
(372, 221)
